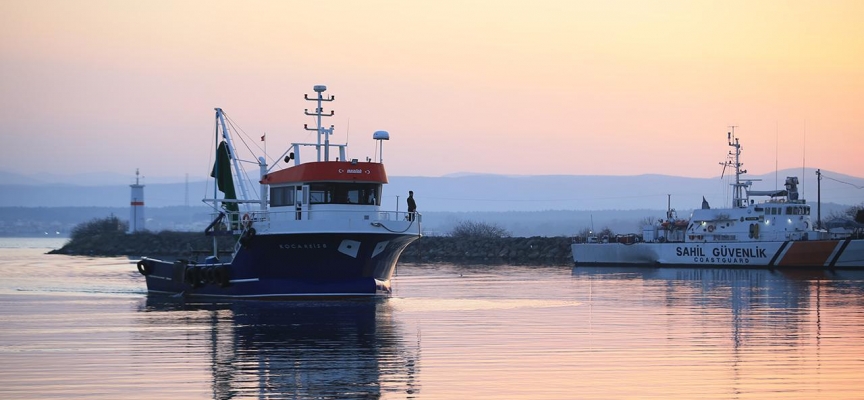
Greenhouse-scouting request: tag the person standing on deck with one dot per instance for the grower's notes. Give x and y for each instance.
(412, 206)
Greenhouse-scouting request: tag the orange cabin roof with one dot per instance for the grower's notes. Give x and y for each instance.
(328, 171)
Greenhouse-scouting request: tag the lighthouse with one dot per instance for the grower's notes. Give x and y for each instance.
(136, 212)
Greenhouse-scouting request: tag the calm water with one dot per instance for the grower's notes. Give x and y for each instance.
(78, 327)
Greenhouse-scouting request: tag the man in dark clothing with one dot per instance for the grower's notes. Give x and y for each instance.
(412, 206)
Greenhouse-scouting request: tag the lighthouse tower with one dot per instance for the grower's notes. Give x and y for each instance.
(136, 213)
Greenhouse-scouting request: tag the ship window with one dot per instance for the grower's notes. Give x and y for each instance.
(276, 196)
(788, 210)
(319, 194)
(281, 196)
(346, 193)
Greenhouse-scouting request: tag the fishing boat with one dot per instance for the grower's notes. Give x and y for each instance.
(775, 232)
(314, 228)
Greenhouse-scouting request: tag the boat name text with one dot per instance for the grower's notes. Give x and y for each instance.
(303, 246)
(696, 251)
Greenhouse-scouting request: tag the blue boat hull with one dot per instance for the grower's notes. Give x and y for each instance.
(287, 265)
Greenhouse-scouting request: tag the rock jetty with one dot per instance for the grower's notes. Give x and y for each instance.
(166, 244)
(192, 245)
(509, 250)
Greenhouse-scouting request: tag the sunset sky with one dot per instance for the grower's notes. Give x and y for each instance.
(506, 87)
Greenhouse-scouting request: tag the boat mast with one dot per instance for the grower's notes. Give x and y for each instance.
(738, 200)
(819, 198)
(319, 112)
(238, 179)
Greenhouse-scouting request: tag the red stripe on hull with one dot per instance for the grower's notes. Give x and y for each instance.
(802, 254)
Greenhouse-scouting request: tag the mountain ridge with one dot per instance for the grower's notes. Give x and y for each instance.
(477, 192)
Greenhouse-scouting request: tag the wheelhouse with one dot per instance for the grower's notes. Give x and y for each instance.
(327, 183)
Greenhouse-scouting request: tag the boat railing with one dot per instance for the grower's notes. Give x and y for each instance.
(332, 218)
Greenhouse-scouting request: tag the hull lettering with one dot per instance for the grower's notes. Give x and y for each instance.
(302, 246)
(689, 251)
(739, 252)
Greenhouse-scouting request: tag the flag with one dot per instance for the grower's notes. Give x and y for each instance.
(224, 180)
(262, 137)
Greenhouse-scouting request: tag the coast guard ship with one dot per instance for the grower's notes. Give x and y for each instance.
(777, 232)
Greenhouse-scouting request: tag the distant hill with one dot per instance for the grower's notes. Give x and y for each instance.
(457, 193)
(85, 179)
(59, 221)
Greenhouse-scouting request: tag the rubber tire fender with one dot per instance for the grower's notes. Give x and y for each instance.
(221, 276)
(197, 274)
(144, 268)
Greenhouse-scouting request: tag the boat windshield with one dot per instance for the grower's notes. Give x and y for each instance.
(345, 193)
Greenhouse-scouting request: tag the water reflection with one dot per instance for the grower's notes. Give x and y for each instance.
(745, 288)
(787, 331)
(299, 349)
(793, 297)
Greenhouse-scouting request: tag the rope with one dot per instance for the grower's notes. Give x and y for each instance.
(378, 224)
(837, 180)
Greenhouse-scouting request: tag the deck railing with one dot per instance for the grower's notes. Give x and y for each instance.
(307, 220)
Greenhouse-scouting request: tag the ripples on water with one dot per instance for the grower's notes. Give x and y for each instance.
(84, 327)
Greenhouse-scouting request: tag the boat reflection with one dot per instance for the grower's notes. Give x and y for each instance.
(299, 349)
(792, 294)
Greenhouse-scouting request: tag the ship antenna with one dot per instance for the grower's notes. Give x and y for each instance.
(319, 112)
(803, 156)
(347, 132)
(737, 199)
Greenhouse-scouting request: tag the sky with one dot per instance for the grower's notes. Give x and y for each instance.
(502, 87)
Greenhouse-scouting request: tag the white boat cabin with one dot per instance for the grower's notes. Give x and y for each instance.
(782, 217)
(320, 190)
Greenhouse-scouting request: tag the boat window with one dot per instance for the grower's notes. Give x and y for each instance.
(345, 193)
(318, 194)
(788, 210)
(281, 196)
(759, 209)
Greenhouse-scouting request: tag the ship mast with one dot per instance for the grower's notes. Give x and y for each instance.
(319, 112)
(738, 198)
(236, 171)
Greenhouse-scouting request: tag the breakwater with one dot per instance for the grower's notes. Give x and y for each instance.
(165, 244)
(511, 250)
(191, 245)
